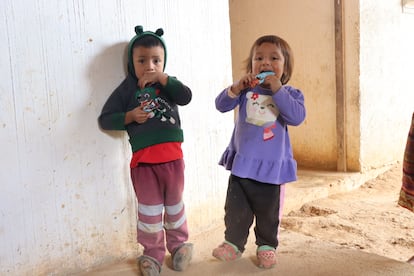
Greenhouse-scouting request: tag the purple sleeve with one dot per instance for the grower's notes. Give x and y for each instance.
(225, 103)
(291, 104)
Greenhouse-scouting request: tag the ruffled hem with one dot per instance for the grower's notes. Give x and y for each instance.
(267, 171)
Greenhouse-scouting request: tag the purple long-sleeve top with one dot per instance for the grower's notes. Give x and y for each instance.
(260, 147)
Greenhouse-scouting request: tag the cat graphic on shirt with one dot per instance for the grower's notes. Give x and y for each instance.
(262, 111)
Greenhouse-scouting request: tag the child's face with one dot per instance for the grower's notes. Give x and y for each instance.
(268, 57)
(147, 60)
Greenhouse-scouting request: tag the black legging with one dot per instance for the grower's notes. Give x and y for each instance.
(248, 199)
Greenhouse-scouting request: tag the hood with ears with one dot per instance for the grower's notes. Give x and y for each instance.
(139, 31)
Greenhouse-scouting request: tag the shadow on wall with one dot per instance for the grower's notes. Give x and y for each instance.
(106, 71)
(103, 155)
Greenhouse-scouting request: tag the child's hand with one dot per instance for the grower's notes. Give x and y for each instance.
(272, 82)
(136, 115)
(268, 80)
(150, 78)
(245, 82)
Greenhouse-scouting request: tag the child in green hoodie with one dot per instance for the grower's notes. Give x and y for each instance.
(145, 105)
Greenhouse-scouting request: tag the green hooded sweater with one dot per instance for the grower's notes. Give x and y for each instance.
(161, 102)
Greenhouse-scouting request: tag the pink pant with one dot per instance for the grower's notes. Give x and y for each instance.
(161, 214)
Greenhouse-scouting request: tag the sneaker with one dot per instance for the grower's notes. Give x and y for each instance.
(182, 256)
(227, 252)
(149, 266)
(266, 256)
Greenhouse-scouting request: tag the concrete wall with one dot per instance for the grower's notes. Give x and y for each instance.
(352, 71)
(378, 65)
(386, 81)
(66, 201)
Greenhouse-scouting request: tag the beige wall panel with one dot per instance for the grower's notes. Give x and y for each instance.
(378, 45)
(351, 82)
(308, 26)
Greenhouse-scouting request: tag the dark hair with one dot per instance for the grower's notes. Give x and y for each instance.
(147, 41)
(286, 51)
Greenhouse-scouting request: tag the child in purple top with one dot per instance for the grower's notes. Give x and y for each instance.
(259, 155)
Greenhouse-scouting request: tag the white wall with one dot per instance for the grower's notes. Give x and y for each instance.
(66, 201)
(386, 81)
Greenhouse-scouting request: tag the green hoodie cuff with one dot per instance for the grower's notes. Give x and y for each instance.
(173, 84)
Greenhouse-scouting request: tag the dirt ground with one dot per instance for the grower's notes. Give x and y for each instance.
(367, 219)
(362, 232)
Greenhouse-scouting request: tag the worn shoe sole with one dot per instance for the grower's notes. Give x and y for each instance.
(148, 266)
(226, 252)
(266, 258)
(182, 257)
